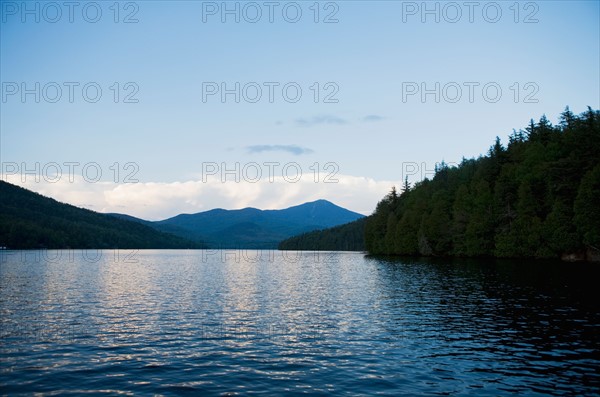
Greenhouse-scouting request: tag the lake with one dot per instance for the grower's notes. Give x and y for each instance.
(273, 323)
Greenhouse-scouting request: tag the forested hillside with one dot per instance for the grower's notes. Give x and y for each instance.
(30, 220)
(348, 237)
(538, 196)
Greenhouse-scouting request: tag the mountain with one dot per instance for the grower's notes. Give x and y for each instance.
(347, 237)
(30, 220)
(130, 218)
(536, 197)
(254, 228)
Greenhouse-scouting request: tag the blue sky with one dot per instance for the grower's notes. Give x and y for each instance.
(547, 52)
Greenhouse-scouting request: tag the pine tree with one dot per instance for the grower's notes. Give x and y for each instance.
(405, 186)
(537, 197)
(587, 208)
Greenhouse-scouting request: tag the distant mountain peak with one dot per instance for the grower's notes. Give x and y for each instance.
(224, 228)
(50, 224)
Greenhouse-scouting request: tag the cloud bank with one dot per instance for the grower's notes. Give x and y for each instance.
(161, 200)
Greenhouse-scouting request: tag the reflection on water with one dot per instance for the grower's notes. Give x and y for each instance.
(214, 322)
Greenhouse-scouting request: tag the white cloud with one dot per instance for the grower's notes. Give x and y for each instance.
(293, 149)
(320, 119)
(161, 200)
(373, 117)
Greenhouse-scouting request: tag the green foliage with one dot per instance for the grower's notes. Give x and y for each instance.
(29, 220)
(587, 208)
(348, 237)
(537, 197)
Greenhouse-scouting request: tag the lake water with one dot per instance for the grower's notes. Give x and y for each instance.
(273, 323)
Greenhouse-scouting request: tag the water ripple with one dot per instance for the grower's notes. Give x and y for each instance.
(179, 323)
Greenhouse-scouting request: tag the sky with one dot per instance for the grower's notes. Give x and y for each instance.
(155, 108)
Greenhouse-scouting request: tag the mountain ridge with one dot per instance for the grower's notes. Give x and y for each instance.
(31, 220)
(265, 228)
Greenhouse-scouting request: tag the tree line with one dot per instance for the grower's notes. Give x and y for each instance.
(348, 237)
(538, 196)
(30, 220)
